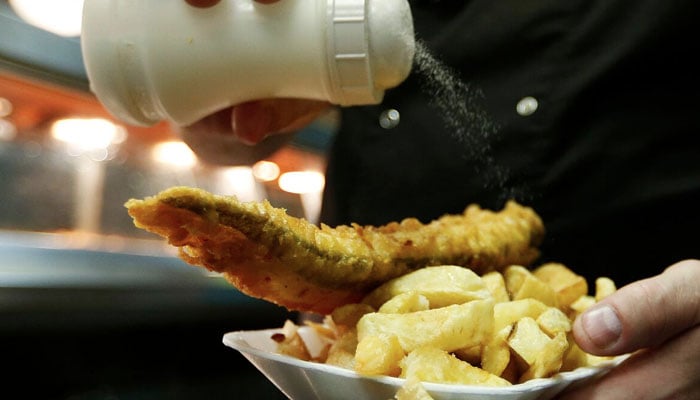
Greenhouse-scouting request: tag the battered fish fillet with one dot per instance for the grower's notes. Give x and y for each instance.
(268, 254)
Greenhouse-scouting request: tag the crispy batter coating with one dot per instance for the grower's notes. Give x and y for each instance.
(268, 254)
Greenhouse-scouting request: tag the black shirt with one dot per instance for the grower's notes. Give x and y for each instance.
(609, 158)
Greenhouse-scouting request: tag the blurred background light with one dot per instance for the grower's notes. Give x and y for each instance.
(94, 136)
(240, 182)
(266, 171)
(8, 131)
(302, 182)
(5, 107)
(309, 185)
(174, 154)
(61, 17)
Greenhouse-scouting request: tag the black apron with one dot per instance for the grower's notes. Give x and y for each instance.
(603, 147)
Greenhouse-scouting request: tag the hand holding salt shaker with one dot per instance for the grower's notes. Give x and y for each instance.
(149, 60)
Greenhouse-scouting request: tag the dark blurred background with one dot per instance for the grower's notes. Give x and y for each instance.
(90, 306)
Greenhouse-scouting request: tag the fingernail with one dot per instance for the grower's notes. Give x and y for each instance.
(247, 133)
(602, 326)
(202, 3)
(252, 124)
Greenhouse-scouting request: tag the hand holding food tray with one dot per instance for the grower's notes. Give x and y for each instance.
(308, 380)
(503, 335)
(408, 306)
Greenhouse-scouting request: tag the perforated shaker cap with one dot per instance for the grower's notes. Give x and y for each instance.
(353, 70)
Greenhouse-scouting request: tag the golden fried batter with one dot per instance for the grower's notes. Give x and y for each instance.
(268, 254)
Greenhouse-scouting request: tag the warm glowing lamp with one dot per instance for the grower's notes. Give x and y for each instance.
(174, 154)
(61, 17)
(309, 185)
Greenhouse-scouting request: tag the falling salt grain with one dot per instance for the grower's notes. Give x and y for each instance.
(462, 110)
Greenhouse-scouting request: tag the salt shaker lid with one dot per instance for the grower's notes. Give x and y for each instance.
(370, 48)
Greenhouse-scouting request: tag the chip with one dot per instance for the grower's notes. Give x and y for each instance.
(495, 356)
(429, 364)
(522, 284)
(508, 313)
(379, 355)
(413, 390)
(342, 352)
(441, 285)
(495, 284)
(405, 303)
(566, 284)
(528, 340)
(553, 321)
(604, 287)
(447, 328)
(549, 360)
(445, 324)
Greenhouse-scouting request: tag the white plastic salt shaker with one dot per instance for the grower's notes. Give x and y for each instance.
(153, 60)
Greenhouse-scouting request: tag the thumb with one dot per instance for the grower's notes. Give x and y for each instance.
(644, 313)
